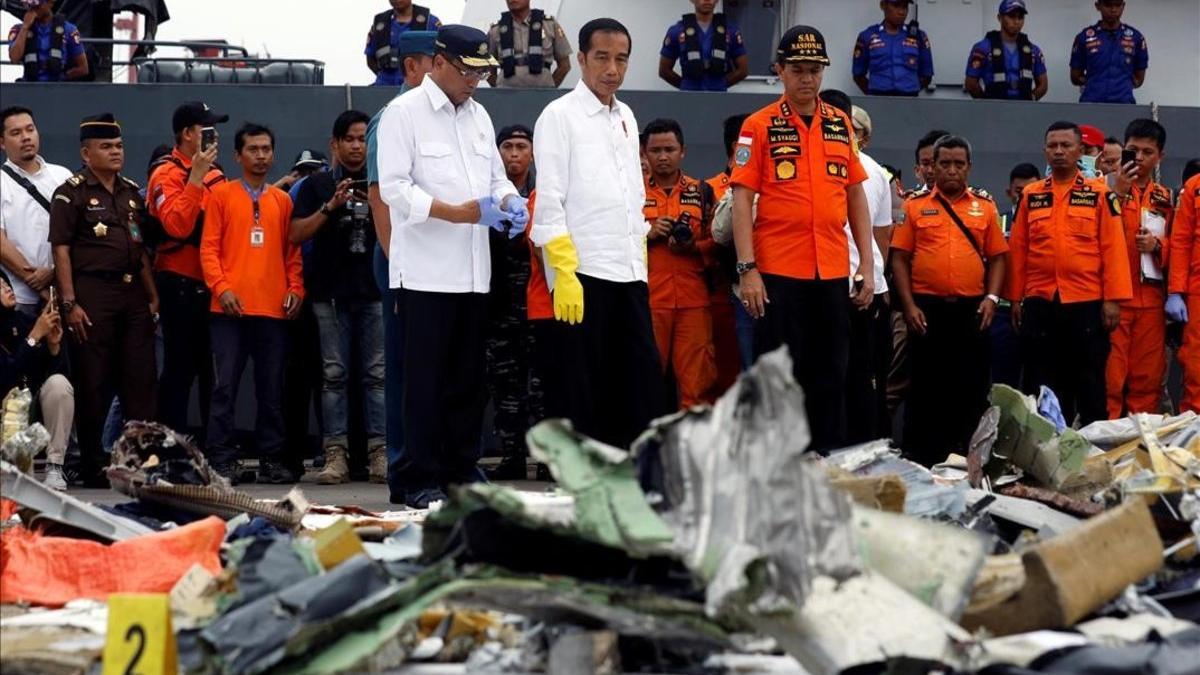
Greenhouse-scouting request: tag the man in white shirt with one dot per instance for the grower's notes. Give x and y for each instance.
(444, 183)
(590, 227)
(25, 252)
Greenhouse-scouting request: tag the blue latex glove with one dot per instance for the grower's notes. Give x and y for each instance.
(491, 214)
(518, 211)
(1177, 308)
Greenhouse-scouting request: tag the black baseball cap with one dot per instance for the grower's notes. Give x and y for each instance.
(802, 44)
(514, 131)
(195, 112)
(469, 44)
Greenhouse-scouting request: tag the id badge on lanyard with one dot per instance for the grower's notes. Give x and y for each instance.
(258, 235)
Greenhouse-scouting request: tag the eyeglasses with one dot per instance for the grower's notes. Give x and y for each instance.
(473, 74)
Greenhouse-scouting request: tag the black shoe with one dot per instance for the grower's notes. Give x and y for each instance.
(509, 468)
(274, 473)
(93, 478)
(543, 474)
(231, 471)
(421, 499)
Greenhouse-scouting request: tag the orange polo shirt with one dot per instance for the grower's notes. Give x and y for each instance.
(1068, 240)
(260, 275)
(677, 279)
(801, 173)
(1185, 241)
(944, 263)
(538, 303)
(1156, 199)
(178, 205)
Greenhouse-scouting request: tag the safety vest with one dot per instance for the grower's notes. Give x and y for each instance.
(386, 55)
(535, 55)
(998, 87)
(58, 43)
(691, 62)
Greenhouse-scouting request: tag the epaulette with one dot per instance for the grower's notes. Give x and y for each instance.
(131, 183)
(981, 193)
(76, 179)
(1162, 196)
(919, 192)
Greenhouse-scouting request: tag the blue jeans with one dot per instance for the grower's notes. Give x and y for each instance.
(265, 341)
(393, 367)
(345, 326)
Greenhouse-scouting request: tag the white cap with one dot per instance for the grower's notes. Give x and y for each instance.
(861, 119)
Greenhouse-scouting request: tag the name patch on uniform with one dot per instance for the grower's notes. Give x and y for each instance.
(1041, 200)
(1079, 198)
(835, 130)
(785, 150)
(782, 135)
(930, 212)
(650, 203)
(690, 198)
(785, 169)
(837, 169)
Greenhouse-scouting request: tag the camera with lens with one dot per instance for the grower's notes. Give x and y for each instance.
(681, 231)
(356, 212)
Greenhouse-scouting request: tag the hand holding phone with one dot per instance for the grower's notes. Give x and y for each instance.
(208, 137)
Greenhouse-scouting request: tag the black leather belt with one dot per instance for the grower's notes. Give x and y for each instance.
(123, 277)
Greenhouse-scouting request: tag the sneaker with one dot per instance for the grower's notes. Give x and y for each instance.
(274, 473)
(55, 480)
(421, 499)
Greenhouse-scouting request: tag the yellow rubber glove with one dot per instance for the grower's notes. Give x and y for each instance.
(568, 292)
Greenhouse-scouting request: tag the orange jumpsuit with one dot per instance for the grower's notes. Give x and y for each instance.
(721, 305)
(1137, 358)
(679, 297)
(1184, 278)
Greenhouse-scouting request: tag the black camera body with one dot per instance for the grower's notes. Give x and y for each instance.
(681, 231)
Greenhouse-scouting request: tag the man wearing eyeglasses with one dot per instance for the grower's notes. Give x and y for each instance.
(444, 183)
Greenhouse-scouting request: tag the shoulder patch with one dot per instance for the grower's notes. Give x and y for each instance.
(920, 192)
(61, 197)
(1114, 204)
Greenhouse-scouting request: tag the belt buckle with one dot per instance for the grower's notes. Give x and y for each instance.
(127, 278)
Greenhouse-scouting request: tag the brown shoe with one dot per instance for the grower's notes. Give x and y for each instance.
(377, 463)
(337, 466)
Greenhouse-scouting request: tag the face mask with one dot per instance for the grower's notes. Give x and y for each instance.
(1087, 167)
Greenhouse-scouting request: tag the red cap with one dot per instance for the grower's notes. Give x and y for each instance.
(1092, 136)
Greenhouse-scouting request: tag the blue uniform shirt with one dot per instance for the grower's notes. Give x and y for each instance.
(893, 63)
(395, 76)
(674, 45)
(1108, 59)
(979, 64)
(72, 47)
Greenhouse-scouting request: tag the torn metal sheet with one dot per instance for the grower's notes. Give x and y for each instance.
(1047, 522)
(864, 620)
(22, 446)
(89, 615)
(979, 451)
(63, 508)
(1058, 500)
(1108, 434)
(751, 514)
(610, 507)
(925, 495)
(1114, 632)
(1031, 442)
(936, 563)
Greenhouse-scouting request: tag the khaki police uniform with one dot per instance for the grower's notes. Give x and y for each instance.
(103, 231)
(555, 46)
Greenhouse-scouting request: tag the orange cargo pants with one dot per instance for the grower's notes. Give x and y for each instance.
(1136, 361)
(1189, 357)
(725, 345)
(685, 343)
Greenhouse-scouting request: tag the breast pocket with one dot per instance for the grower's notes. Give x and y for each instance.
(1041, 225)
(928, 234)
(1081, 224)
(437, 159)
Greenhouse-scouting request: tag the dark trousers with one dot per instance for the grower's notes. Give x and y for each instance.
(613, 379)
(393, 368)
(187, 348)
(301, 387)
(513, 378)
(950, 375)
(445, 388)
(867, 371)
(265, 341)
(118, 356)
(1065, 347)
(812, 318)
(1006, 349)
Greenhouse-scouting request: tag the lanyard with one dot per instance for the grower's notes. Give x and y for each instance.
(254, 197)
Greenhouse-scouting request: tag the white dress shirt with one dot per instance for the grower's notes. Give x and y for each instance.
(879, 203)
(26, 223)
(429, 149)
(590, 186)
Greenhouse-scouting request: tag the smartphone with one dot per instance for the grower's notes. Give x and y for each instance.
(359, 185)
(53, 299)
(1128, 156)
(208, 136)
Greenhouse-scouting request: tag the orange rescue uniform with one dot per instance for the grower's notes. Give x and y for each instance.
(725, 344)
(1137, 358)
(679, 296)
(538, 303)
(179, 205)
(1065, 245)
(255, 271)
(944, 263)
(1184, 278)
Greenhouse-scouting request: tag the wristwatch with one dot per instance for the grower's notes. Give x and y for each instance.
(325, 210)
(31, 342)
(66, 306)
(994, 298)
(743, 267)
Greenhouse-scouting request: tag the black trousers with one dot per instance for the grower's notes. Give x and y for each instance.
(812, 318)
(265, 342)
(118, 356)
(445, 388)
(1065, 347)
(302, 388)
(867, 372)
(950, 379)
(187, 349)
(612, 384)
